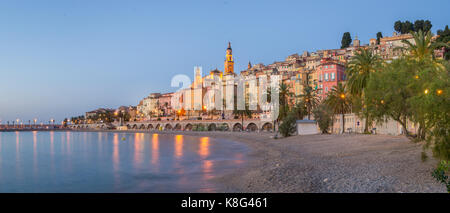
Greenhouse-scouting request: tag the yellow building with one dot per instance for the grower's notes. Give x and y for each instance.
(229, 63)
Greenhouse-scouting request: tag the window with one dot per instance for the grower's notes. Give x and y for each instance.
(326, 89)
(326, 76)
(326, 67)
(332, 76)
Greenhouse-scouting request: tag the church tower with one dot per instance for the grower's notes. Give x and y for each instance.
(229, 63)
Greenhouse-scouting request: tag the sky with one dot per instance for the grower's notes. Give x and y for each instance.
(60, 59)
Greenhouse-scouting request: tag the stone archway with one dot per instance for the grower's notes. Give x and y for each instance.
(237, 127)
(150, 127)
(135, 126)
(177, 127)
(168, 127)
(251, 127)
(142, 126)
(212, 127)
(157, 127)
(267, 127)
(188, 127)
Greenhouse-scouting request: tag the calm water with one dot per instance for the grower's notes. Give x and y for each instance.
(114, 162)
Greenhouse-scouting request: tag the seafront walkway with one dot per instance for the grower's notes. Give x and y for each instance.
(252, 125)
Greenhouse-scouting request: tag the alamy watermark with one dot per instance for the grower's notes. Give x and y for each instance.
(227, 93)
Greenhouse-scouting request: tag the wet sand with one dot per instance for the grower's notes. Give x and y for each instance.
(327, 163)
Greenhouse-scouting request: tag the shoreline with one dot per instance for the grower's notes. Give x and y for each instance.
(322, 163)
(325, 163)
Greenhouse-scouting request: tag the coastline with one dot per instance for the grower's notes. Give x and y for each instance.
(322, 163)
(326, 163)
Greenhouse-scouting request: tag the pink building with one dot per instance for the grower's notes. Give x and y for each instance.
(330, 73)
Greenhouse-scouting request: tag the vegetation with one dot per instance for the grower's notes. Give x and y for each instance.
(324, 117)
(346, 40)
(242, 113)
(308, 101)
(440, 174)
(408, 27)
(444, 37)
(338, 100)
(413, 88)
(379, 37)
(288, 126)
(359, 71)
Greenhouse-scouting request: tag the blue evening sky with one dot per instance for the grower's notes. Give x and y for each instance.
(62, 58)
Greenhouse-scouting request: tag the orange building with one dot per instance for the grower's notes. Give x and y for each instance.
(229, 63)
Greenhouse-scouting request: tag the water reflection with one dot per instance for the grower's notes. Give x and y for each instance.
(155, 151)
(72, 162)
(138, 148)
(178, 146)
(204, 147)
(68, 142)
(115, 151)
(35, 169)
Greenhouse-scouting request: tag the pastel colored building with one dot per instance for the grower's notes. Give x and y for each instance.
(330, 73)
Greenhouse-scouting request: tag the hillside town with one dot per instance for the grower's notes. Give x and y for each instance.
(318, 71)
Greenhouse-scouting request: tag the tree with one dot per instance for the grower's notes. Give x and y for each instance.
(359, 70)
(324, 117)
(288, 126)
(242, 113)
(284, 96)
(346, 40)
(309, 98)
(339, 102)
(444, 37)
(422, 49)
(300, 110)
(418, 25)
(388, 91)
(398, 26)
(407, 27)
(426, 26)
(379, 36)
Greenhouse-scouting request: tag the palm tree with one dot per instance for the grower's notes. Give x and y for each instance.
(242, 113)
(423, 47)
(284, 95)
(359, 70)
(309, 98)
(339, 101)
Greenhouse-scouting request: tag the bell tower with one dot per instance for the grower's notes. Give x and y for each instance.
(229, 63)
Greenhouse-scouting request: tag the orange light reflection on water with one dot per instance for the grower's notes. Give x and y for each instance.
(204, 147)
(155, 151)
(35, 169)
(138, 148)
(179, 146)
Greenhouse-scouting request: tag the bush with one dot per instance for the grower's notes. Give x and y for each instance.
(222, 127)
(324, 117)
(199, 127)
(288, 125)
(440, 174)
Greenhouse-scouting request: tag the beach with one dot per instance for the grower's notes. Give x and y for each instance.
(327, 163)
